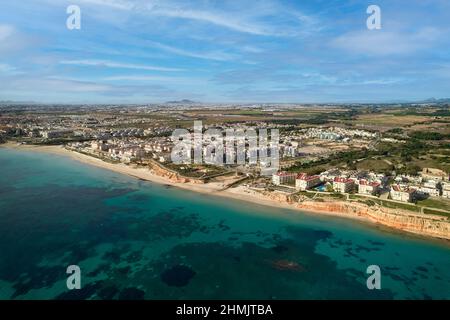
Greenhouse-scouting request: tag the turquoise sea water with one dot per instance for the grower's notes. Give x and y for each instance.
(134, 239)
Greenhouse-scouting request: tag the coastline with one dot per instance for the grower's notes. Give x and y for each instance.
(214, 189)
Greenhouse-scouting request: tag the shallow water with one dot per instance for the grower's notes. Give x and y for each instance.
(134, 239)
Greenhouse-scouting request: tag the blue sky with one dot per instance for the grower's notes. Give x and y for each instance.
(146, 51)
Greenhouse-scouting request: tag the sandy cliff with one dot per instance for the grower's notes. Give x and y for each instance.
(172, 175)
(431, 225)
(424, 224)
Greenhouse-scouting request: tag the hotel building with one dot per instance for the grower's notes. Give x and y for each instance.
(305, 182)
(343, 185)
(283, 178)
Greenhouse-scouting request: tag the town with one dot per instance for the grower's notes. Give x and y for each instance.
(389, 156)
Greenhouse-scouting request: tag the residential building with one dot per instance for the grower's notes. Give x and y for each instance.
(99, 146)
(283, 178)
(304, 182)
(343, 185)
(404, 194)
(446, 190)
(53, 134)
(430, 187)
(368, 188)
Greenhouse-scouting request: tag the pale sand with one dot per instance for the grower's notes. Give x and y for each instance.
(140, 173)
(239, 193)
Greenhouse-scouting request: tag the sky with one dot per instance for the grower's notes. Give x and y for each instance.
(290, 51)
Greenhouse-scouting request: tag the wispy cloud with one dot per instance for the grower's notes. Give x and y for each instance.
(251, 49)
(386, 42)
(6, 31)
(67, 90)
(142, 78)
(167, 80)
(118, 65)
(6, 68)
(243, 21)
(115, 4)
(207, 55)
(43, 84)
(387, 81)
(11, 40)
(213, 18)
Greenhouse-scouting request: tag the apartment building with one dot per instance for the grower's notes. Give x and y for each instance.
(343, 185)
(446, 190)
(304, 182)
(368, 188)
(283, 178)
(404, 194)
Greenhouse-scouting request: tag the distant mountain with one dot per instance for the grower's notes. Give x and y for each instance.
(184, 101)
(16, 102)
(434, 100)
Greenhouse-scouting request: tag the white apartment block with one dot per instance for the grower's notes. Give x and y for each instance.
(368, 188)
(403, 194)
(343, 185)
(434, 192)
(283, 178)
(304, 182)
(446, 190)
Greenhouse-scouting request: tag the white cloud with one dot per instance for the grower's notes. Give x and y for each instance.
(52, 84)
(112, 64)
(11, 40)
(138, 78)
(251, 49)
(6, 31)
(215, 55)
(116, 4)
(213, 18)
(159, 79)
(65, 90)
(383, 42)
(6, 68)
(244, 21)
(387, 81)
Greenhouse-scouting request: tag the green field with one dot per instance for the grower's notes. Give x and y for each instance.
(387, 204)
(438, 213)
(443, 204)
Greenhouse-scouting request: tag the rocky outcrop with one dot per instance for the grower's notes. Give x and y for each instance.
(277, 196)
(173, 176)
(424, 224)
(431, 225)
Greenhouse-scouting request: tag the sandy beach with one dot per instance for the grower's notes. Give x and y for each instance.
(213, 188)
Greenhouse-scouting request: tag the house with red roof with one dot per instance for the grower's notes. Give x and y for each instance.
(283, 177)
(368, 188)
(404, 194)
(343, 185)
(304, 182)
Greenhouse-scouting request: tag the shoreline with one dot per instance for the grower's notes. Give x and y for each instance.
(214, 189)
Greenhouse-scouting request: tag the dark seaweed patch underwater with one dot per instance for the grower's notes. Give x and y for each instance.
(136, 240)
